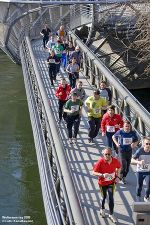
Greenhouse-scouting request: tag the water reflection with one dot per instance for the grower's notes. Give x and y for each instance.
(20, 191)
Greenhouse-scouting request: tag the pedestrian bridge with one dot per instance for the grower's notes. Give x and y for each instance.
(70, 191)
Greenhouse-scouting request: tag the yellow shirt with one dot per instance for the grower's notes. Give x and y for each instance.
(96, 106)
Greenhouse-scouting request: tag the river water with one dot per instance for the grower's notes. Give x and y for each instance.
(20, 190)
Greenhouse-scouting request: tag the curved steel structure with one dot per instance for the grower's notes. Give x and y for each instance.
(70, 2)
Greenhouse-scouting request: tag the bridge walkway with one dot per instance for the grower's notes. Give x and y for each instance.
(83, 155)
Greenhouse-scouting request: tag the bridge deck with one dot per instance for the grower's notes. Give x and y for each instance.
(83, 155)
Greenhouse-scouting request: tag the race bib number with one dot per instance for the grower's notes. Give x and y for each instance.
(74, 108)
(145, 167)
(57, 51)
(127, 141)
(51, 60)
(110, 129)
(97, 111)
(110, 177)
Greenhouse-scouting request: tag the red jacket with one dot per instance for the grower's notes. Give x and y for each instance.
(65, 92)
(116, 119)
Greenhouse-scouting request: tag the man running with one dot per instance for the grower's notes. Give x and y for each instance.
(73, 109)
(142, 159)
(45, 33)
(73, 72)
(126, 140)
(94, 106)
(111, 123)
(58, 49)
(107, 168)
(79, 90)
(62, 93)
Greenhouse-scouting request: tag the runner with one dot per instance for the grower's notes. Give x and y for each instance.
(62, 93)
(52, 61)
(110, 124)
(107, 169)
(94, 106)
(77, 55)
(64, 54)
(142, 159)
(105, 92)
(73, 72)
(45, 33)
(73, 109)
(70, 49)
(126, 140)
(51, 42)
(79, 90)
(58, 48)
(61, 33)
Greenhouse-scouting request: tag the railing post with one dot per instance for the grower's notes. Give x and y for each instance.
(141, 126)
(127, 110)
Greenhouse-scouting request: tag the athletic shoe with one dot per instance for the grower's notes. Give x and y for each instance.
(70, 141)
(113, 218)
(90, 140)
(124, 180)
(146, 199)
(102, 212)
(75, 140)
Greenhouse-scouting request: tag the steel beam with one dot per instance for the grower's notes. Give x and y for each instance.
(63, 2)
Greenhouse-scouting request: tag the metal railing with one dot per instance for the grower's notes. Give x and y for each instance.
(50, 2)
(126, 103)
(59, 195)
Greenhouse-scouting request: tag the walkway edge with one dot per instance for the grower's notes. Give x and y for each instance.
(70, 188)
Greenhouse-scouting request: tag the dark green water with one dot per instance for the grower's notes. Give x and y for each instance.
(20, 190)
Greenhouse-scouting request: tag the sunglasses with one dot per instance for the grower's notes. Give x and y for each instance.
(147, 143)
(107, 154)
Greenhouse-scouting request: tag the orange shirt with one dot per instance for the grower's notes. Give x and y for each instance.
(61, 33)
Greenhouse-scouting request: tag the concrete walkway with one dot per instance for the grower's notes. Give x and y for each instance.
(83, 155)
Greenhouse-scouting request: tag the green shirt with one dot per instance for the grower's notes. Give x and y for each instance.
(58, 50)
(96, 106)
(75, 106)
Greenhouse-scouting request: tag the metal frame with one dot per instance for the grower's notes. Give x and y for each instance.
(49, 2)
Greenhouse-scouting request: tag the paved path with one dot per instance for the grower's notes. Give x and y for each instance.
(83, 155)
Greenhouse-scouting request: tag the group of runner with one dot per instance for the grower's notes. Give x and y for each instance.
(120, 137)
